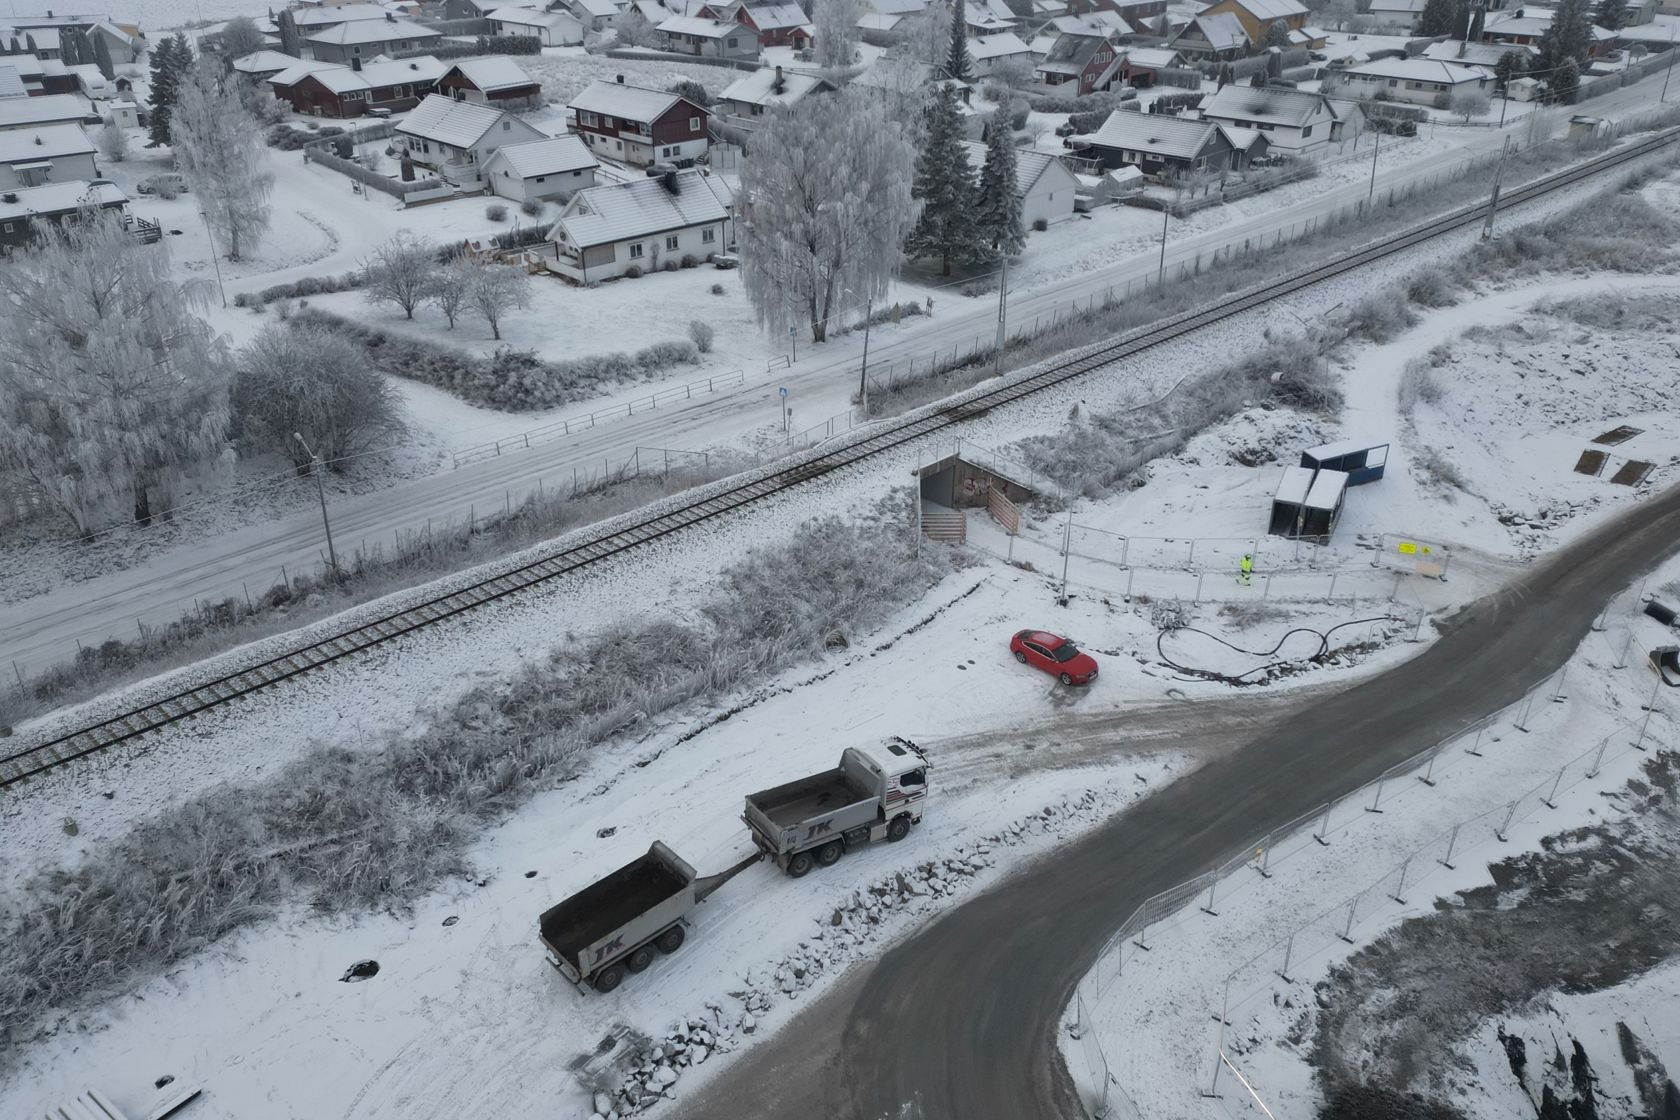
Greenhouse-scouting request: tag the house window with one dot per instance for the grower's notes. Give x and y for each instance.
(694, 124)
(507, 126)
(670, 241)
(1307, 131)
(732, 43)
(540, 178)
(8, 227)
(1153, 158)
(575, 174)
(586, 119)
(666, 151)
(708, 235)
(635, 250)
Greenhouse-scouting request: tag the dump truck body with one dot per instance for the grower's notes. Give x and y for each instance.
(613, 916)
(872, 794)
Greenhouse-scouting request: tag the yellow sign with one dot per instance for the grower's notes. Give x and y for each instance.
(1411, 548)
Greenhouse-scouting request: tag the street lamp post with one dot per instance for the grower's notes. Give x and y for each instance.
(1669, 71)
(1370, 195)
(1161, 272)
(863, 374)
(320, 488)
(1003, 318)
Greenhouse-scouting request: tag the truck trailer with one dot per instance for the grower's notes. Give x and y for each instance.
(873, 794)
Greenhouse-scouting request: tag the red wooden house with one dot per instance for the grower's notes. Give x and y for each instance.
(777, 24)
(639, 126)
(351, 91)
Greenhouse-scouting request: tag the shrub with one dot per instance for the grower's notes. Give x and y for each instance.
(668, 266)
(634, 272)
(1019, 110)
(1379, 316)
(1433, 288)
(289, 139)
(314, 382)
(531, 207)
(508, 44)
(717, 289)
(1040, 225)
(701, 333)
(1419, 385)
(689, 260)
(496, 212)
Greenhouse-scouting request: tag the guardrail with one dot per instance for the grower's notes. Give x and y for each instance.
(559, 429)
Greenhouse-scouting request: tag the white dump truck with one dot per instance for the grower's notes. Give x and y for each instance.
(875, 793)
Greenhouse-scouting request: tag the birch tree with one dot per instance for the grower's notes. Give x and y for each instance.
(450, 286)
(112, 141)
(309, 381)
(998, 210)
(401, 271)
(836, 32)
(495, 289)
(112, 388)
(927, 34)
(824, 207)
(219, 151)
(239, 37)
(944, 185)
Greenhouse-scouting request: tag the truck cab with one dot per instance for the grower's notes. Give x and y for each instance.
(874, 794)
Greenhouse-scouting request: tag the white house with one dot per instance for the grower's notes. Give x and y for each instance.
(988, 51)
(1296, 122)
(51, 108)
(1397, 13)
(365, 38)
(1457, 52)
(456, 137)
(556, 168)
(552, 29)
(758, 92)
(709, 38)
(645, 224)
(1417, 80)
(1043, 183)
(53, 153)
(595, 15)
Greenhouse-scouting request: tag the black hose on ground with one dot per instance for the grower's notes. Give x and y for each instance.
(1241, 678)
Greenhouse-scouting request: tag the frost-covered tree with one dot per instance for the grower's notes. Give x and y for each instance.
(1277, 35)
(998, 209)
(495, 289)
(402, 271)
(835, 41)
(449, 287)
(112, 141)
(291, 39)
(1612, 15)
(957, 64)
(944, 185)
(1469, 102)
(825, 204)
(926, 36)
(219, 151)
(901, 89)
(170, 60)
(633, 29)
(1566, 83)
(1510, 65)
(316, 383)
(1568, 38)
(258, 98)
(113, 387)
(239, 37)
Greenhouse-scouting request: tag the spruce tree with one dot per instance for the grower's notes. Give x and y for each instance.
(169, 64)
(291, 42)
(1610, 14)
(1566, 83)
(944, 184)
(998, 209)
(956, 62)
(1438, 18)
(102, 58)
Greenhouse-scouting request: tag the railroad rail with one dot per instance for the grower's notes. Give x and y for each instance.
(154, 715)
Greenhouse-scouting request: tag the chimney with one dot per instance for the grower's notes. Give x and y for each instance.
(619, 79)
(356, 63)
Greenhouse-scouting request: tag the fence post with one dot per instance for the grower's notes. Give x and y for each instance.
(1558, 697)
(1452, 838)
(1428, 775)
(1499, 833)
(1556, 782)
(1331, 594)
(1266, 588)
(1208, 909)
(1130, 573)
(1400, 887)
(1288, 952)
(1190, 560)
(1324, 825)
(1200, 576)
(1621, 658)
(1475, 748)
(1376, 797)
(1522, 720)
(1353, 906)
(1599, 757)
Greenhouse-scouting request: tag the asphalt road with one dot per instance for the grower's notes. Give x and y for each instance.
(960, 1020)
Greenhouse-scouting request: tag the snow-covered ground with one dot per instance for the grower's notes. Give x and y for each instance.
(1157, 1023)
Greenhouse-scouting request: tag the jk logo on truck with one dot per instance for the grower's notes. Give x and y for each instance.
(608, 949)
(818, 829)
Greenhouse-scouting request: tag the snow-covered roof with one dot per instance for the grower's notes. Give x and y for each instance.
(1327, 489)
(1101, 22)
(16, 112)
(326, 16)
(530, 17)
(626, 102)
(1291, 108)
(777, 17)
(1071, 52)
(604, 9)
(1399, 7)
(1152, 58)
(624, 211)
(363, 31)
(379, 75)
(697, 27)
(1419, 70)
(46, 38)
(1002, 45)
(11, 83)
(1223, 30)
(45, 142)
(1266, 10)
(459, 124)
(60, 198)
(294, 74)
(1473, 54)
(1293, 486)
(1030, 165)
(495, 73)
(1176, 137)
(26, 65)
(757, 88)
(546, 157)
(897, 7)
(264, 62)
(1243, 139)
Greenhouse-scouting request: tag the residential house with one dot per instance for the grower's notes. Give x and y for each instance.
(1211, 35)
(1142, 66)
(1397, 13)
(321, 17)
(1420, 81)
(1166, 147)
(1043, 183)
(365, 38)
(541, 169)
(644, 224)
(455, 137)
(50, 108)
(494, 81)
(51, 202)
(11, 82)
(708, 38)
(1524, 26)
(1457, 52)
(552, 29)
(597, 16)
(1257, 17)
(52, 153)
(991, 51)
(988, 17)
(41, 76)
(781, 24)
(354, 90)
(1296, 122)
(26, 70)
(886, 15)
(639, 126)
(471, 9)
(1141, 16)
(758, 92)
(41, 42)
(260, 65)
(1088, 62)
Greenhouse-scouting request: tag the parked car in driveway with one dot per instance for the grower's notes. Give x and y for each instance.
(1055, 655)
(168, 184)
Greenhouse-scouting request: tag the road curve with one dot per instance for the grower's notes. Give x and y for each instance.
(960, 1020)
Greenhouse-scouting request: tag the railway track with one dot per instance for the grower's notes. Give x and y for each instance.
(31, 761)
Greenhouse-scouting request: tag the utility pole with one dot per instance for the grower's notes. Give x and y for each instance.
(215, 258)
(1669, 71)
(1493, 199)
(321, 489)
(1003, 320)
(1161, 273)
(1371, 194)
(863, 374)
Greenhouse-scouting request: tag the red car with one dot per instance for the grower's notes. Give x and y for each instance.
(1055, 655)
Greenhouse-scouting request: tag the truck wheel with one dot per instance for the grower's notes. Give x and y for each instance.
(669, 941)
(608, 978)
(640, 959)
(799, 865)
(898, 829)
(829, 854)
